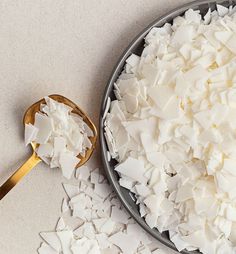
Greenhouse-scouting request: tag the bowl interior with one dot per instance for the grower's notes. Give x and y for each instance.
(136, 47)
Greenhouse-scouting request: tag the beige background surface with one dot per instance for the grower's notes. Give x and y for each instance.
(55, 46)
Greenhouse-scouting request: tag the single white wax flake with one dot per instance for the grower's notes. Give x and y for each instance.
(144, 250)
(65, 238)
(30, 133)
(136, 231)
(68, 163)
(52, 239)
(119, 215)
(132, 168)
(133, 60)
(103, 190)
(103, 241)
(207, 17)
(108, 104)
(108, 227)
(85, 246)
(161, 95)
(222, 10)
(108, 156)
(45, 150)
(44, 125)
(64, 206)
(183, 34)
(98, 223)
(71, 190)
(59, 145)
(83, 173)
(125, 242)
(46, 249)
(60, 225)
(230, 166)
(95, 176)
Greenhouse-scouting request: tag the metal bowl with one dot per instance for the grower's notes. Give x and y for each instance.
(136, 47)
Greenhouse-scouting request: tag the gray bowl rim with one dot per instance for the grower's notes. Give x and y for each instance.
(109, 170)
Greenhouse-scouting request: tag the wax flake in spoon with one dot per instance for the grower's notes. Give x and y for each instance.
(105, 227)
(61, 135)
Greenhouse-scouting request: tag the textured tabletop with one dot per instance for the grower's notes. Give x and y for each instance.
(67, 47)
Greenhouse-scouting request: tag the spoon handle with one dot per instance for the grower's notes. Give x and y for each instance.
(19, 174)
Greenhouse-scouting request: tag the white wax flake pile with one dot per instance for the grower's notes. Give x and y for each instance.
(61, 135)
(105, 228)
(172, 130)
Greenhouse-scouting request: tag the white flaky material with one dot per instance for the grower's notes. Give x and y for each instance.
(101, 226)
(172, 130)
(60, 134)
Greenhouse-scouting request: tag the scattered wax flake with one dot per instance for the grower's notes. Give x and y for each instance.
(85, 246)
(64, 206)
(65, 238)
(145, 250)
(125, 242)
(30, 133)
(46, 249)
(71, 190)
(60, 225)
(79, 211)
(103, 190)
(179, 243)
(98, 223)
(103, 241)
(138, 233)
(102, 220)
(119, 215)
(108, 227)
(87, 230)
(68, 163)
(83, 173)
(95, 176)
(52, 239)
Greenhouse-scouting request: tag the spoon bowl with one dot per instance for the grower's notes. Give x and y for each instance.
(29, 117)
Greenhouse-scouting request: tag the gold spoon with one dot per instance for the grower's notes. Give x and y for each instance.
(29, 117)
